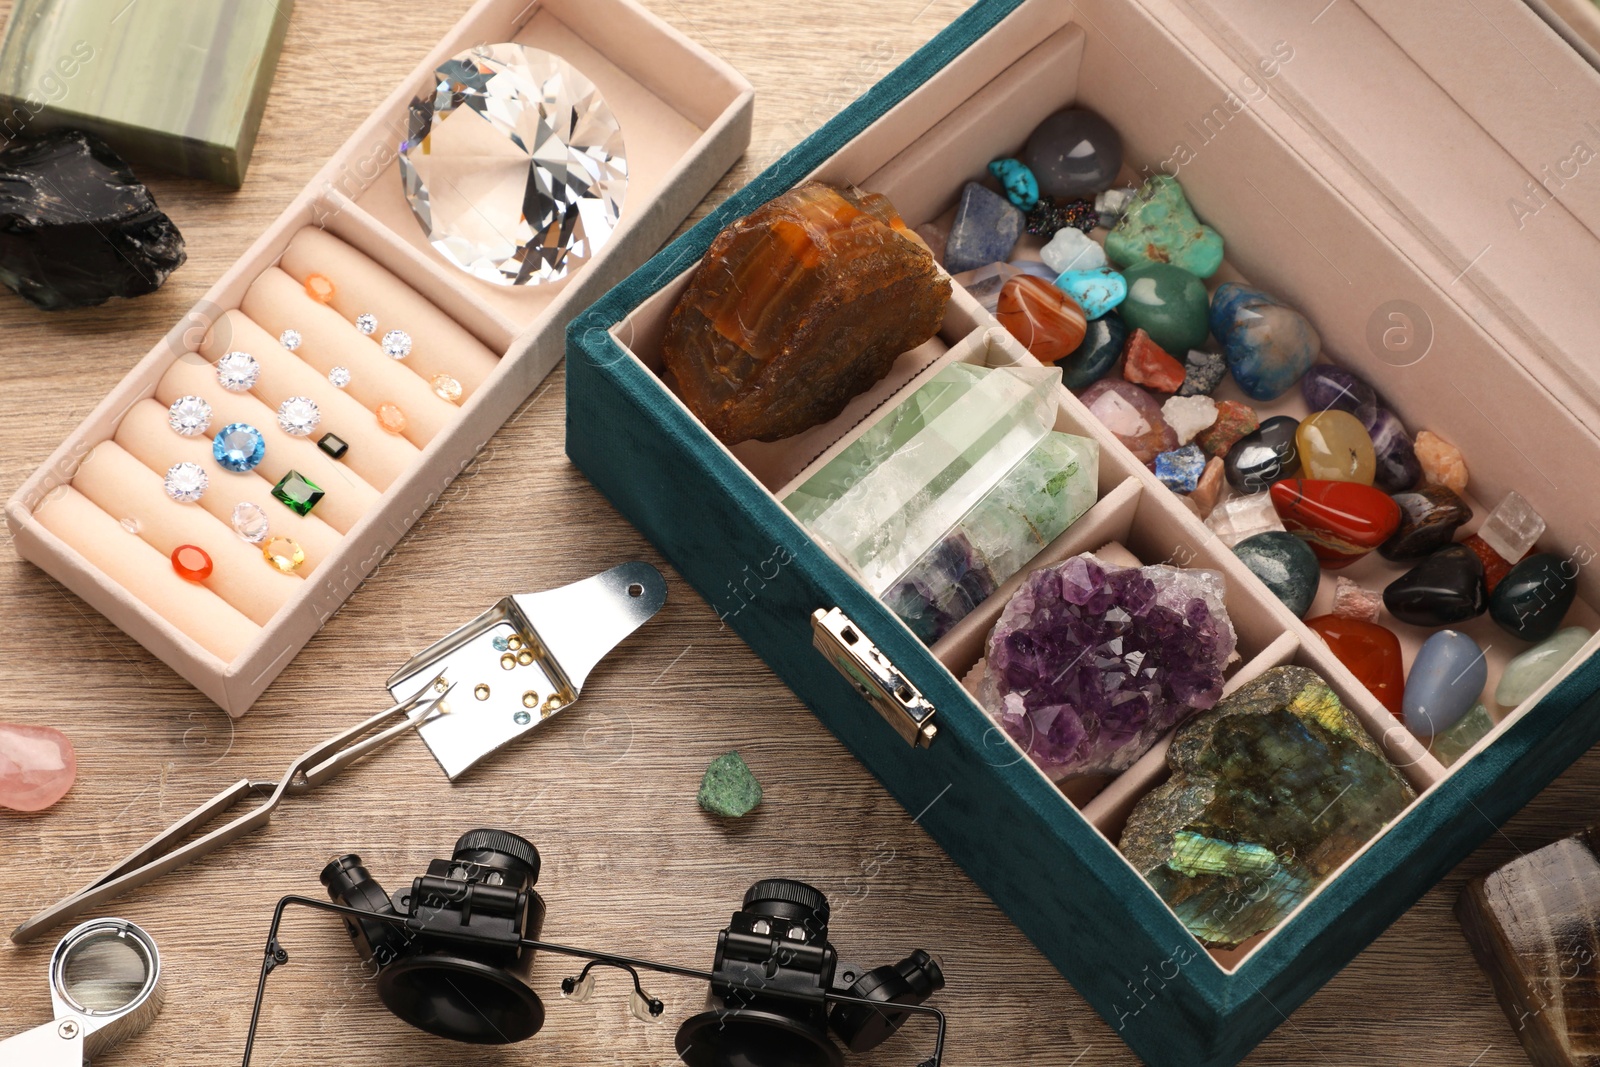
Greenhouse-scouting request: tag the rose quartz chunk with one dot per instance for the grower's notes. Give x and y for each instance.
(37, 767)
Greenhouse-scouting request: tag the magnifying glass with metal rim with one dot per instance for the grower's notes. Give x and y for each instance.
(105, 987)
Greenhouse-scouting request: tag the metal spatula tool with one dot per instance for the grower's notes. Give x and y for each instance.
(484, 686)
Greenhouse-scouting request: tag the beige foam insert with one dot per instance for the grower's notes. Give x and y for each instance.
(440, 345)
(346, 498)
(378, 456)
(125, 488)
(277, 302)
(146, 573)
(144, 433)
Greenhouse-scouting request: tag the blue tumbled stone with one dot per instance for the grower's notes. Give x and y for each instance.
(1021, 187)
(1447, 678)
(1180, 469)
(985, 230)
(1096, 291)
(238, 447)
(1269, 345)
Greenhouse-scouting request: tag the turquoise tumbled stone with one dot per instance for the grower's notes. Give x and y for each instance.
(1539, 664)
(1167, 303)
(1159, 226)
(1269, 345)
(1285, 564)
(1021, 187)
(1270, 792)
(1096, 291)
(1102, 343)
(1447, 677)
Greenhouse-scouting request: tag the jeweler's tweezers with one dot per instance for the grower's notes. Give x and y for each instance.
(166, 851)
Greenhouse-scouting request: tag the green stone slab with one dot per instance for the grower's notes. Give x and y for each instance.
(174, 84)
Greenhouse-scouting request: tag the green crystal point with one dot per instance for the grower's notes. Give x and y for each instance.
(1270, 792)
(728, 788)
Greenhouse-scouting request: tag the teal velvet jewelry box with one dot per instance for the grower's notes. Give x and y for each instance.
(1350, 220)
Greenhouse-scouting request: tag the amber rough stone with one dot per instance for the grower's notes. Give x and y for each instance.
(799, 307)
(1534, 926)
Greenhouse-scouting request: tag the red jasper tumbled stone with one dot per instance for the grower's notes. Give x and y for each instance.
(1341, 521)
(1147, 363)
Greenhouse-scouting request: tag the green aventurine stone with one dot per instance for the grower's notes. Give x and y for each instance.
(1454, 742)
(1160, 227)
(728, 788)
(1169, 304)
(1270, 791)
(173, 84)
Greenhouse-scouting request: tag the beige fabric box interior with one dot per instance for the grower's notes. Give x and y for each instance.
(96, 516)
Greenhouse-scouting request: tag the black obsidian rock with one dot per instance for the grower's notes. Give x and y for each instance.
(76, 227)
(1444, 589)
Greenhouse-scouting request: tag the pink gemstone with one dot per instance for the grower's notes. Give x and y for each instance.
(37, 766)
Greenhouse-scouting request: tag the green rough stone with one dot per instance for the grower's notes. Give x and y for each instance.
(1451, 745)
(1531, 669)
(1270, 792)
(297, 493)
(728, 788)
(1160, 227)
(1285, 564)
(1169, 304)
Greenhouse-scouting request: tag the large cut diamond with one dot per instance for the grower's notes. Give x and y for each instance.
(514, 165)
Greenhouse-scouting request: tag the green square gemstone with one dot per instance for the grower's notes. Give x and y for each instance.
(297, 493)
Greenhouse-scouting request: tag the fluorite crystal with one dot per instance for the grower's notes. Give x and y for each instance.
(796, 309)
(76, 227)
(1031, 505)
(1159, 226)
(1168, 303)
(1446, 679)
(1073, 153)
(514, 165)
(1270, 792)
(728, 788)
(37, 766)
(1269, 344)
(931, 464)
(1091, 663)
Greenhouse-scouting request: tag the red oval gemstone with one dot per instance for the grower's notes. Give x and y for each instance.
(191, 562)
(1341, 521)
(1372, 653)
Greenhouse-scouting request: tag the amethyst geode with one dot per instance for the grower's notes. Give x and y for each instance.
(1091, 663)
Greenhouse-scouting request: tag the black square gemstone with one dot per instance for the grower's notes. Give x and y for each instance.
(333, 445)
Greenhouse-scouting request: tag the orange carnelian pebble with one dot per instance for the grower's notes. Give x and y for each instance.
(1372, 653)
(1145, 363)
(191, 562)
(319, 288)
(1047, 321)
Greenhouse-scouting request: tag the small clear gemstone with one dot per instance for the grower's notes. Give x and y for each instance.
(1512, 528)
(237, 372)
(514, 165)
(238, 447)
(290, 339)
(298, 416)
(339, 376)
(189, 416)
(446, 388)
(397, 344)
(367, 324)
(186, 482)
(131, 524)
(250, 522)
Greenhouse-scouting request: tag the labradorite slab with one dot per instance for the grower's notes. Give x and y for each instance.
(1270, 792)
(172, 84)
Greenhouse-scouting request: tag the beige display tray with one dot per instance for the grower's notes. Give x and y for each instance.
(685, 119)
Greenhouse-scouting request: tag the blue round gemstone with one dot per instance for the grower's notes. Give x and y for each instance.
(239, 447)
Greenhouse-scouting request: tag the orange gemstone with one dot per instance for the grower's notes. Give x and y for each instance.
(191, 563)
(1047, 321)
(319, 288)
(1372, 653)
(391, 418)
(1147, 363)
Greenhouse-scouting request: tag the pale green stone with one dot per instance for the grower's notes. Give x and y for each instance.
(899, 489)
(175, 84)
(1538, 665)
(1454, 742)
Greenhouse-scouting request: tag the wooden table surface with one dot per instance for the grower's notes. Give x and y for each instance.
(608, 791)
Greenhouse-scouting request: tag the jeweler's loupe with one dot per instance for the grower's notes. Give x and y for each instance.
(105, 987)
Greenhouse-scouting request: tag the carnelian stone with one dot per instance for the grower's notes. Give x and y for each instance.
(319, 288)
(1047, 321)
(1341, 521)
(191, 562)
(1372, 653)
(1146, 363)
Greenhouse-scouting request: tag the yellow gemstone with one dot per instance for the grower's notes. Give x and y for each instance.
(447, 388)
(391, 418)
(283, 554)
(1334, 446)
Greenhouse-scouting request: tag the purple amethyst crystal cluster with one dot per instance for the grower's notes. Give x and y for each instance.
(1091, 663)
